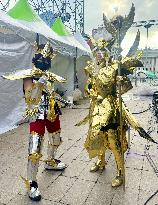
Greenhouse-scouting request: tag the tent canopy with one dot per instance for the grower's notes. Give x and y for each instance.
(17, 12)
(82, 41)
(28, 20)
(148, 74)
(59, 28)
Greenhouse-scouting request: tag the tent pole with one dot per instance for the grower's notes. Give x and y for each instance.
(37, 39)
(75, 71)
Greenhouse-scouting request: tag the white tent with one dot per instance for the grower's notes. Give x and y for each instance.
(82, 41)
(17, 35)
(28, 31)
(16, 53)
(64, 66)
(81, 47)
(67, 66)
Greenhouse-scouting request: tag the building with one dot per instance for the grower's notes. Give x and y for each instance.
(150, 60)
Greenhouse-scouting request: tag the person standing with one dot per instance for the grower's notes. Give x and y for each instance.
(43, 111)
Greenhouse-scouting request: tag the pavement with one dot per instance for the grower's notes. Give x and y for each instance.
(76, 185)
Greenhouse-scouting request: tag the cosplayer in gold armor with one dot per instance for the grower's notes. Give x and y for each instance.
(102, 89)
(42, 109)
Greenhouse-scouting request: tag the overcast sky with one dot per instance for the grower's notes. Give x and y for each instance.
(145, 10)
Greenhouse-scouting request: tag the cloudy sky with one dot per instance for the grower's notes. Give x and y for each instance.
(145, 10)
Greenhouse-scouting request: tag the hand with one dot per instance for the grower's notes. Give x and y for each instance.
(43, 80)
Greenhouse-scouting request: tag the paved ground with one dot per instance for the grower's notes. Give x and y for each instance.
(76, 185)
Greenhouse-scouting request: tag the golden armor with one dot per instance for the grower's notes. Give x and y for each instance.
(107, 81)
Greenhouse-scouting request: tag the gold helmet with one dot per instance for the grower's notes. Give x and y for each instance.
(46, 51)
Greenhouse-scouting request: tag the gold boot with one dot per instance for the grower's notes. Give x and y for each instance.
(118, 180)
(100, 164)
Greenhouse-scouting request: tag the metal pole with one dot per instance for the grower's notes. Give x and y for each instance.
(135, 78)
(129, 137)
(37, 36)
(75, 16)
(75, 71)
(121, 117)
(83, 18)
(147, 34)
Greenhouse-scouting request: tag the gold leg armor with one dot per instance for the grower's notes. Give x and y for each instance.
(34, 155)
(114, 145)
(100, 163)
(53, 144)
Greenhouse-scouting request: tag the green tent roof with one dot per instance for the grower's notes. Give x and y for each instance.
(23, 11)
(59, 28)
(150, 74)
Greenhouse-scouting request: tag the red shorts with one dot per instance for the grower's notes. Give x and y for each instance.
(39, 126)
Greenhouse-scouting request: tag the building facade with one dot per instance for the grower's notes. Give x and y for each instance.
(150, 60)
